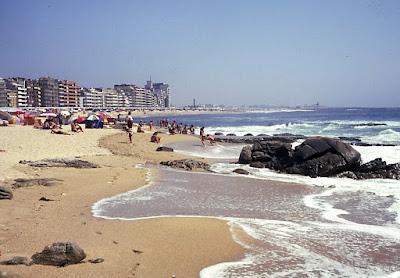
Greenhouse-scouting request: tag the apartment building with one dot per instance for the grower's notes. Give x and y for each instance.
(49, 92)
(69, 93)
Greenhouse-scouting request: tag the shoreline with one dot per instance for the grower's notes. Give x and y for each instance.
(180, 246)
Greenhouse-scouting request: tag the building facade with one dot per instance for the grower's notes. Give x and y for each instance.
(3, 94)
(69, 93)
(49, 92)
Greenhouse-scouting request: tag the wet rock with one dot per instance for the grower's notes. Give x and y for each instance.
(73, 163)
(187, 164)
(16, 261)
(218, 134)
(5, 193)
(241, 171)
(96, 261)
(248, 134)
(245, 155)
(59, 254)
(316, 156)
(164, 149)
(231, 134)
(35, 182)
(257, 164)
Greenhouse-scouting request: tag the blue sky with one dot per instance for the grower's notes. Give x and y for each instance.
(340, 53)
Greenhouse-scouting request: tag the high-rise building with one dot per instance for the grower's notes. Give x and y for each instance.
(162, 92)
(34, 93)
(50, 92)
(17, 92)
(3, 94)
(110, 98)
(69, 93)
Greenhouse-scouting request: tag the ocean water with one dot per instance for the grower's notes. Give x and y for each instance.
(294, 226)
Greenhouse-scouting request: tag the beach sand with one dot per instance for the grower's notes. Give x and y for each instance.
(145, 248)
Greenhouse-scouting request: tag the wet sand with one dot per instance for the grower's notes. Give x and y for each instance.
(163, 246)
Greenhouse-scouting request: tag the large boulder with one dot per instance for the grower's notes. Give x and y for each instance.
(5, 193)
(316, 156)
(59, 254)
(245, 155)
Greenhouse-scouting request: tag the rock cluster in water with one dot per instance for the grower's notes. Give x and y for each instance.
(316, 156)
(186, 164)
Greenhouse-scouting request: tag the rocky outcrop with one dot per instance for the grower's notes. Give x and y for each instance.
(317, 156)
(34, 182)
(59, 254)
(16, 261)
(241, 171)
(164, 149)
(73, 163)
(245, 155)
(247, 139)
(375, 169)
(186, 164)
(5, 193)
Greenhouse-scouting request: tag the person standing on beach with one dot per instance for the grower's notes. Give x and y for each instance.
(129, 124)
(202, 136)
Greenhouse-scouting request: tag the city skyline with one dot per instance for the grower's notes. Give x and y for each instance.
(341, 53)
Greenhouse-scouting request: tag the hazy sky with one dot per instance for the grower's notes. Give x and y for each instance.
(340, 53)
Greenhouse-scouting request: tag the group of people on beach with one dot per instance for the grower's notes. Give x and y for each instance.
(172, 127)
(53, 124)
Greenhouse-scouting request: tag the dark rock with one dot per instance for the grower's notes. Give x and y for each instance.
(260, 156)
(16, 261)
(59, 254)
(257, 164)
(370, 124)
(164, 149)
(248, 134)
(5, 193)
(45, 199)
(245, 155)
(34, 182)
(350, 139)
(316, 156)
(241, 171)
(231, 134)
(262, 135)
(218, 134)
(73, 163)
(187, 164)
(373, 165)
(96, 261)
(347, 174)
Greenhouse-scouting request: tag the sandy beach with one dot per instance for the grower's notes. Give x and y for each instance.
(146, 248)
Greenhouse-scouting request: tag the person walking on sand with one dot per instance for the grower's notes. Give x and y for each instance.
(202, 136)
(129, 126)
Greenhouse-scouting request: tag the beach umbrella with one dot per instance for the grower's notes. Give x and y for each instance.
(5, 116)
(92, 118)
(48, 114)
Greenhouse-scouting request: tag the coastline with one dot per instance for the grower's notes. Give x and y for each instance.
(179, 246)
